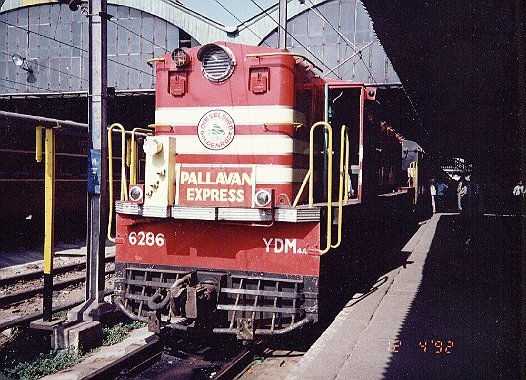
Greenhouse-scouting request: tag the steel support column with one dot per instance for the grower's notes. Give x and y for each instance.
(282, 28)
(98, 166)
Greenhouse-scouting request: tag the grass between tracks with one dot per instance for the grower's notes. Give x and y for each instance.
(26, 355)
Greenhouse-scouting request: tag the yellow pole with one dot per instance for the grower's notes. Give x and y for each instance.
(49, 246)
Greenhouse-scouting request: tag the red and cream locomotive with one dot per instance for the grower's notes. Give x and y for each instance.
(253, 173)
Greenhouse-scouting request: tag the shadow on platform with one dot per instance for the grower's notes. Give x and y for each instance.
(464, 322)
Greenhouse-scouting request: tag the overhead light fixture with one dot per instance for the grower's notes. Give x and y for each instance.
(22, 63)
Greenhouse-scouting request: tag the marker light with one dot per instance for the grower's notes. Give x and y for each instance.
(180, 58)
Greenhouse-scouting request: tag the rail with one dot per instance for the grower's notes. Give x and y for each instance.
(27, 294)
(27, 318)
(35, 274)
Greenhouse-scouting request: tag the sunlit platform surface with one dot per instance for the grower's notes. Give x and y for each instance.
(451, 312)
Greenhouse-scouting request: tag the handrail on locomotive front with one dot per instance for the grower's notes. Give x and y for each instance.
(126, 156)
(156, 59)
(344, 179)
(413, 178)
(124, 193)
(309, 177)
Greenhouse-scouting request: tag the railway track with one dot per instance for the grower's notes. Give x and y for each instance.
(27, 318)
(220, 359)
(20, 294)
(29, 292)
(217, 359)
(36, 274)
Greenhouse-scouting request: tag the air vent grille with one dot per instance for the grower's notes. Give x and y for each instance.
(217, 64)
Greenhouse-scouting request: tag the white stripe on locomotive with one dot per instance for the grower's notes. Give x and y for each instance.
(245, 145)
(242, 115)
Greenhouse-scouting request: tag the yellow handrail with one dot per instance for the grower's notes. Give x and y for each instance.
(347, 160)
(344, 175)
(410, 181)
(134, 155)
(328, 127)
(300, 191)
(124, 192)
(416, 181)
(128, 152)
(413, 178)
(309, 178)
(152, 60)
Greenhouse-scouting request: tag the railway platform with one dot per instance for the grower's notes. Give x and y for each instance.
(452, 311)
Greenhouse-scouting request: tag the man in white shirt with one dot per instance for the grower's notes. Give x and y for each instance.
(518, 190)
(433, 191)
(518, 196)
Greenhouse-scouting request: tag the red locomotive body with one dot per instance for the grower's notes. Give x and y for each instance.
(238, 208)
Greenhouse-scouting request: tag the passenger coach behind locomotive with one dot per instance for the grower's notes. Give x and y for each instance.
(231, 227)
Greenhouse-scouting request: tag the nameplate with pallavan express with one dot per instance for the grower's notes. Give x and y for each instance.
(214, 186)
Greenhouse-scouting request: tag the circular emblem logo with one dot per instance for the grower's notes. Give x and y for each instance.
(216, 129)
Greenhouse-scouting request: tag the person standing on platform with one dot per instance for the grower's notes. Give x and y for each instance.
(465, 191)
(518, 196)
(441, 195)
(518, 190)
(461, 191)
(433, 192)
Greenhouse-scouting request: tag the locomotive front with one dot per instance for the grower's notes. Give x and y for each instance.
(214, 238)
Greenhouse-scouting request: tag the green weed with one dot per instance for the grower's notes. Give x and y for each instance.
(45, 364)
(119, 332)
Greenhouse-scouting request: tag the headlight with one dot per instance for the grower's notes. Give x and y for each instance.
(217, 62)
(136, 193)
(263, 198)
